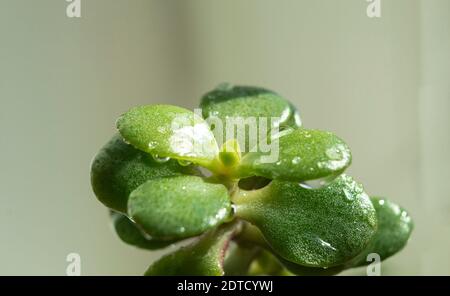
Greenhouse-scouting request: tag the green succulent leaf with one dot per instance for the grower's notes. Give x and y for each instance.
(265, 263)
(177, 207)
(203, 257)
(322, 227)
(249, 103)
(271, 200)
(119, 168)
(394, 229)
(169, 131)
(238, 258)
(302, 155)
(268, 262)
(297, 269)
(130, 233)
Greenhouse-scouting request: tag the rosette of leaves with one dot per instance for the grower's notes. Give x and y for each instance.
(166, 177)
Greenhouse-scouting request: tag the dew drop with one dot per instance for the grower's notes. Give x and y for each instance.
(160, 159)
(333, 153)
(317, 183)
(152, 145)
(313, 184)
(296, 160)
(304, 185)
(297, 118)
(283, 117)
(348, 195)
(183, 162)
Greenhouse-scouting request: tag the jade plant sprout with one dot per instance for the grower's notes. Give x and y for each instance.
(233, 205)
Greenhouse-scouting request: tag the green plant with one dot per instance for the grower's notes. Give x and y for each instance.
(166, 179)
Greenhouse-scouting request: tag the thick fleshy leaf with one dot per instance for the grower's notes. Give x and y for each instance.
(309, 271)
(238, 258)
(203, 257)
(177, 207)
(394, 229)
(119, 168)
(268, 262)
(253, 105)
(303, 155)
(322, 227)
(130, 233)
(169, 131)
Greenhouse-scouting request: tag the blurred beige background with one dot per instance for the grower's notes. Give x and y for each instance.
(381, 84)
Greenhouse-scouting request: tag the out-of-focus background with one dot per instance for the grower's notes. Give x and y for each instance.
(382, 84)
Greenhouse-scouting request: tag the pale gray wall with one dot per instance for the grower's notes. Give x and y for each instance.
(381, 84)
(433, 228)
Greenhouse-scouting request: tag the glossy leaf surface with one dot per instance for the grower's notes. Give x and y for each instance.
(169, 131)
(318, 228)
(203, 257)
(238, 259)
(119, 168)
(253, 105)
(130, 234)
(302, 155)
(268, 262)
(394, 229)
(177, 207)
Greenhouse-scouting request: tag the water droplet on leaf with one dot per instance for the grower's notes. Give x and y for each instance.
(160, 159)
(317, 183)
(296, 160)
(183, 162)
(333, 153)
(348, 195)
